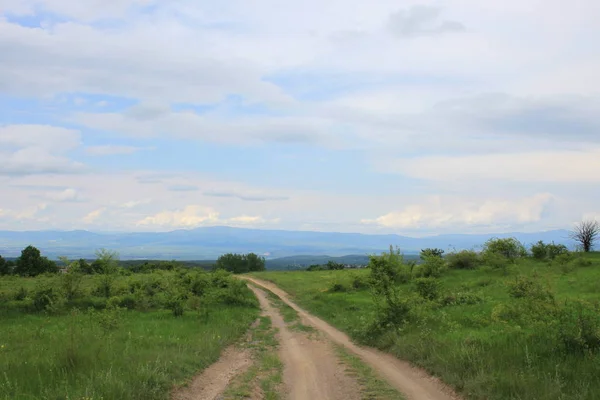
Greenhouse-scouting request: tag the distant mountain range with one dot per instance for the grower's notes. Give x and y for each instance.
(211, 242)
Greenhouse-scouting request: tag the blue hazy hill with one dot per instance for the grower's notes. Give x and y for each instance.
(210, 242)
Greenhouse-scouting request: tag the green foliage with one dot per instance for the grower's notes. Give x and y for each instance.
(21, 294)
(579, 328)
(334, 265)
(431, 253)
(464, 259)
(432, 266)
(525, 287)
(543, 251)
(31, 263)
(4, 267)
(495, 261)
(428, 288)
(510, 248)
(359, 282)
(315, 267)
(44, 296)
(337, 287)
(240, 263)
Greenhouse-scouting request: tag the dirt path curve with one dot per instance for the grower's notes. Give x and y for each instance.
(311, 369)
(414, 383)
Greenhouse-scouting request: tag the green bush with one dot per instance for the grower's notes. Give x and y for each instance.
(337, 287)
(44, 296)
(525, 287)
(428, 288)
(510, 248)
(433, 266)
(359, 282)
(465, 259)
(495, 261)
(431, 253)
(20, 294)
(543, 251)
(457, 299)
(579, 328)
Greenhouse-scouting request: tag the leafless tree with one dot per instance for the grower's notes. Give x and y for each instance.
(586, 233)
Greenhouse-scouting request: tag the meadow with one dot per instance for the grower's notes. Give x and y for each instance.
(493, 327)
(118, 336)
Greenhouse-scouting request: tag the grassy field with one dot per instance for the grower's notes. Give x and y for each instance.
(530, 331)
(153, 332)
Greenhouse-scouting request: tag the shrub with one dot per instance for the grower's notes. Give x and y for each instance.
(20, 294)
(465, 259)
(495, 261)
(315, 267)
(337, 287)
(431, 252)
(510, 248)
(579, 328)
(524, 287)
(539, 251)
(44, 296)
(433, 266)
(359, 282)
(428, 288)
(456, 299)
(333, 265)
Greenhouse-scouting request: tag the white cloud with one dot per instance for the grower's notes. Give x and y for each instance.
(549, 166)
(190, 216)
(440, 212)
(107, 150)
(66, 195)
(37, 149)
(93, 216)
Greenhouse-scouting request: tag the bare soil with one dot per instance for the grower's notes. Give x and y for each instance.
(311, 369)
(213, 381)
(305, 378)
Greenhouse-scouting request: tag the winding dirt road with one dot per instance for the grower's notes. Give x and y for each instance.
(309, 380)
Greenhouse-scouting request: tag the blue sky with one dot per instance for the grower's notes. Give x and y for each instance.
(412, 117)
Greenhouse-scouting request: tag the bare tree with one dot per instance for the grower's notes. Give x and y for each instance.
(586, 233)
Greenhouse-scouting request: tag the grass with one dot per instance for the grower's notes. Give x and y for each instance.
(469, 346)
(267, 369)
(108, 352)
(372, 386)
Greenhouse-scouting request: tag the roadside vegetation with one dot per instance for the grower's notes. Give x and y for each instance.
(508, 322)
(98, 331)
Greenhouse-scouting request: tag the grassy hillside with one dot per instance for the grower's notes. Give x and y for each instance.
(151, 332)
(527, 331)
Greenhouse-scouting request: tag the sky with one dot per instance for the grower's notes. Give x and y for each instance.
(417, 118)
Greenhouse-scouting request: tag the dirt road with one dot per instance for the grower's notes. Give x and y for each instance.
(311, 369)
(414, 383)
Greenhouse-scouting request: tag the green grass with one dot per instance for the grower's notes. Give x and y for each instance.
(112, 353)
(372, 386)
(466, 345)
(266, 372)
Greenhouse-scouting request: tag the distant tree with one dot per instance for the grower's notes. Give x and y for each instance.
(585, 233)
(31, 263)
(315, 267)
(85, 267)
(107, 262)
(232, 263)
(334, 265)
(254, 262)
(4, 268)
(431, 252)
(239, 264)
